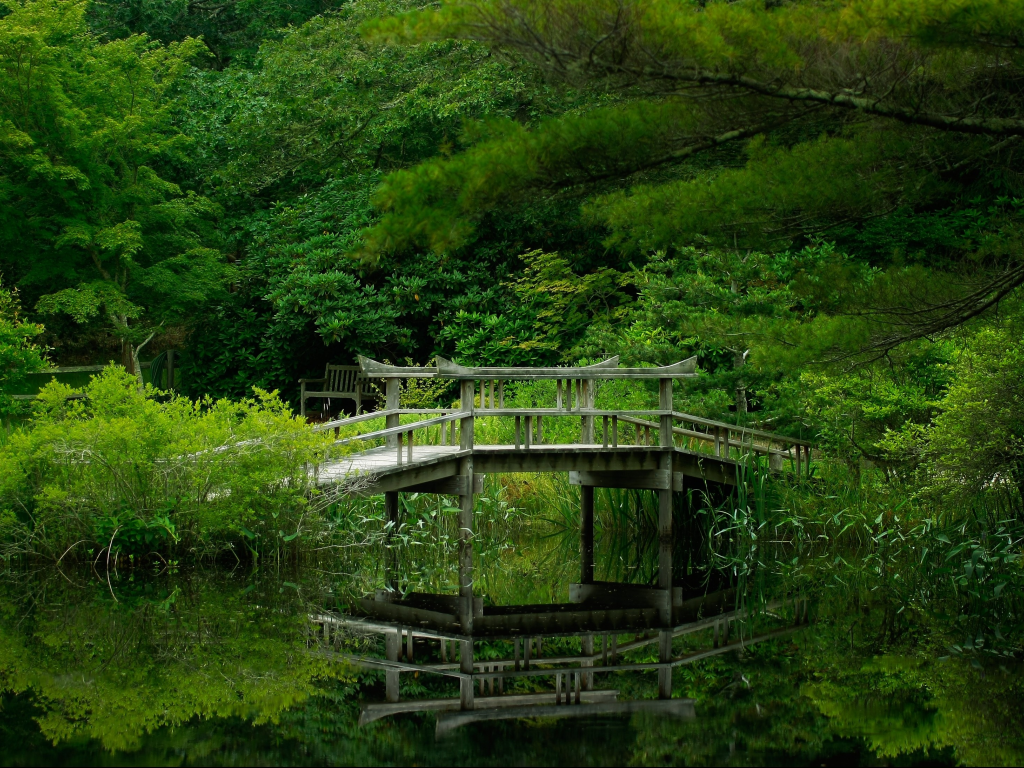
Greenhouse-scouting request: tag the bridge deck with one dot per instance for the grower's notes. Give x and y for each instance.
(379, 470)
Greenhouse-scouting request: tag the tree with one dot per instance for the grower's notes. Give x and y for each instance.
(230, 29)
(748, 125)
(90, 224)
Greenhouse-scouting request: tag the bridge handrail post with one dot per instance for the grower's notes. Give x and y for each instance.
(392, 388)
(467, 394)
(665, 439)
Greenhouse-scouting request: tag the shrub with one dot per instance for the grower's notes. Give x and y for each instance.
(143, 471)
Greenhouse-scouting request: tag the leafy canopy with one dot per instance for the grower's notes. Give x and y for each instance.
(90, 224)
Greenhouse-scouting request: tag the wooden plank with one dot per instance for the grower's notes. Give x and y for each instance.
(373, 712)
(373, 369)
(568, 622)
(656, 479)
(633, 595)
(565, 458)
(604, 370)
(450, 486)
(682, 709)
(403, 614)
(709, 469)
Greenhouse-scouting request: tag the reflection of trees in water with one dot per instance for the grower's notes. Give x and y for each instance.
(215, 652)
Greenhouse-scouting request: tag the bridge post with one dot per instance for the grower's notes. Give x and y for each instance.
(588, 392)
(390, 553)
(665, 495)
(392, 643)
(586, 534)
(392, 401)
(665, 656)
(466, 666)
(665, 441)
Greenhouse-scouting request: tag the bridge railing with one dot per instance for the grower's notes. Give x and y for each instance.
(604, 428)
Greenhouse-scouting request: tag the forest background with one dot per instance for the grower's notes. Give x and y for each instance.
(822, 201)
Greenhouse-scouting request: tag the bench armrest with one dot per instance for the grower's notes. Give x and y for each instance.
(311, 381)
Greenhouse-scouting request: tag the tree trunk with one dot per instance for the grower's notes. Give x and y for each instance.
(739, 360)
(136, 366)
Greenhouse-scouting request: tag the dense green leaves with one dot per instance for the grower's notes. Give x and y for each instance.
(19, 352)
(89, 219)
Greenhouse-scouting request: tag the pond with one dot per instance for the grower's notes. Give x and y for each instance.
(232, 664)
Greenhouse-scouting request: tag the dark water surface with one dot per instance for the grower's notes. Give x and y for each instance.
(224, 666)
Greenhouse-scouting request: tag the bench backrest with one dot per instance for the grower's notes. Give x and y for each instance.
(342, 378)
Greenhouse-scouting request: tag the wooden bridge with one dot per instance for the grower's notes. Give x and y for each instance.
(442, 451)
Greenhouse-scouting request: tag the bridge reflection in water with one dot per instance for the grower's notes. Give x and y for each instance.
(436, 634)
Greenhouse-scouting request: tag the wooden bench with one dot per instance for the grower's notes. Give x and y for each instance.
(345, 382)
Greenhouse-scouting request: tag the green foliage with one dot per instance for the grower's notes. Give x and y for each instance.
(231, 30)
(19, 354)
(550, 307)
(90, 220)
(976, 440)
(113, 666)
(110, 466)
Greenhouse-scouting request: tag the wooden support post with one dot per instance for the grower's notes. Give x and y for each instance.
(604, 650)
(586, 534)
(515, 652)
(392, 644)
(391, 552)
(578, 676)
(466, 548)
(518, 430)
(409, 435)
(540, 429)
(392, 388)
(665, 499)
(494, 386)
(466, 667)
(665, 422)
(501, 393)
(579, 400)
(529, 431)
(444, 651)
(526, 652)
(558, 687)
(408, 646)
(615, 431)
(399, 438)
(466, 428)
(588, 650)
(604, 433)
(615, 650)
(466, 528)
(588, 390)
(665, 656)
(558, 394)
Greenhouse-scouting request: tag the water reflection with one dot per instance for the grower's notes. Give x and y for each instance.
(235, 666)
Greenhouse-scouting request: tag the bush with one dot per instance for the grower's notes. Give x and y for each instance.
(143, 471)
(19, 356)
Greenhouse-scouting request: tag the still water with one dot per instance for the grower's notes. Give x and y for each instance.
(225, 665)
